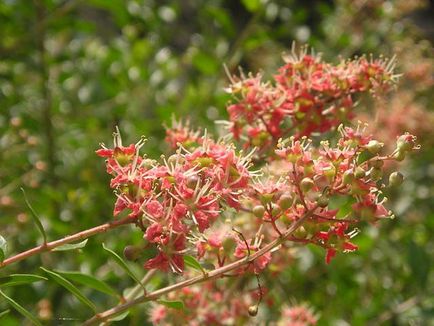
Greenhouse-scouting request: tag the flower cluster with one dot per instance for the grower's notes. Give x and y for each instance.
(306, 96)
(174, 202)
(212, 303)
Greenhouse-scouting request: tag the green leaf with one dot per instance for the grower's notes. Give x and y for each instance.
(89, 281)
(70, 287)
(120, 316)
(21, 309)
(35, 216)
(3, 248)
(123, 264)
(192, 262)
(252, 5)
(71, 246)
(172, 304)
(18, 279)
(3, 313)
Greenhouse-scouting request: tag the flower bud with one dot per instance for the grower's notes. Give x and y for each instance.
(253, 310)
(132, 253)
(323, 201)
(374, 146)
(285, 201)
(395, 179)
(258, 211)
(276, 209)
(406, 142)
(348, 177)
(399, 155)
(376, 174)
(359, 173)
(306, 184)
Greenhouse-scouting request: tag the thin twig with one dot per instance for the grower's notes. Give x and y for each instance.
(57, 243)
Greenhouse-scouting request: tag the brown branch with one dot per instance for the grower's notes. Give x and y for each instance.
(71, 238)
(110, 313)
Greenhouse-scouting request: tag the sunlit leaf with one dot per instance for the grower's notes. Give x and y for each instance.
(89, 281)
(21, 309)
(70, 287)
(71, 246)
(172, 304)
(35, 216)
(18, 279)
(192, 262)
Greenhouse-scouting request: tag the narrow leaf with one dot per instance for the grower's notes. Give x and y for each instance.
(120, 316)
(71, 246)
(3, 248)
(89, 281)
(70, 287)
(21, 309)
(18, 279)
(35, 216)
(172, 304)
(3, 313)
(123, 264)
(192, 262)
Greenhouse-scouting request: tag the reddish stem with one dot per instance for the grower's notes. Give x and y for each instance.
(71, 238)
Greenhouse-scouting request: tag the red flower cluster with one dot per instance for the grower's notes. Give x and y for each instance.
(175, 200)
(306, 96)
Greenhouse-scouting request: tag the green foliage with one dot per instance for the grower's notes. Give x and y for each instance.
(70, 71)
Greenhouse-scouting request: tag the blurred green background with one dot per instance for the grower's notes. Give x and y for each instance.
(71, 70)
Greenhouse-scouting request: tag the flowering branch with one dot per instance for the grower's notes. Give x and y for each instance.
(71, 238)
(208, 276)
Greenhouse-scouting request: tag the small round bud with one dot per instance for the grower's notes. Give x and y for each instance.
(300, 233)
(323, 201)
(395, 179)
(359, 173)
(306, 184)
(253, 310)
(405, 142)
(132, 253)
(275, 209)
(285, 201)
(399, 155)
(348, 177)
(258, 211)
(374, 146)
(376, 174)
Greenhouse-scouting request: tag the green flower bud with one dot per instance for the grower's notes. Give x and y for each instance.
(285, 201)
(276, 209)
(306, 184)
(359, 173)
(399, 156)
(253, 310)
(348, 177)
(323, 201)
(374, 146)
(376, 174)
(258, 211)
(395, 179)
(132, 253)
